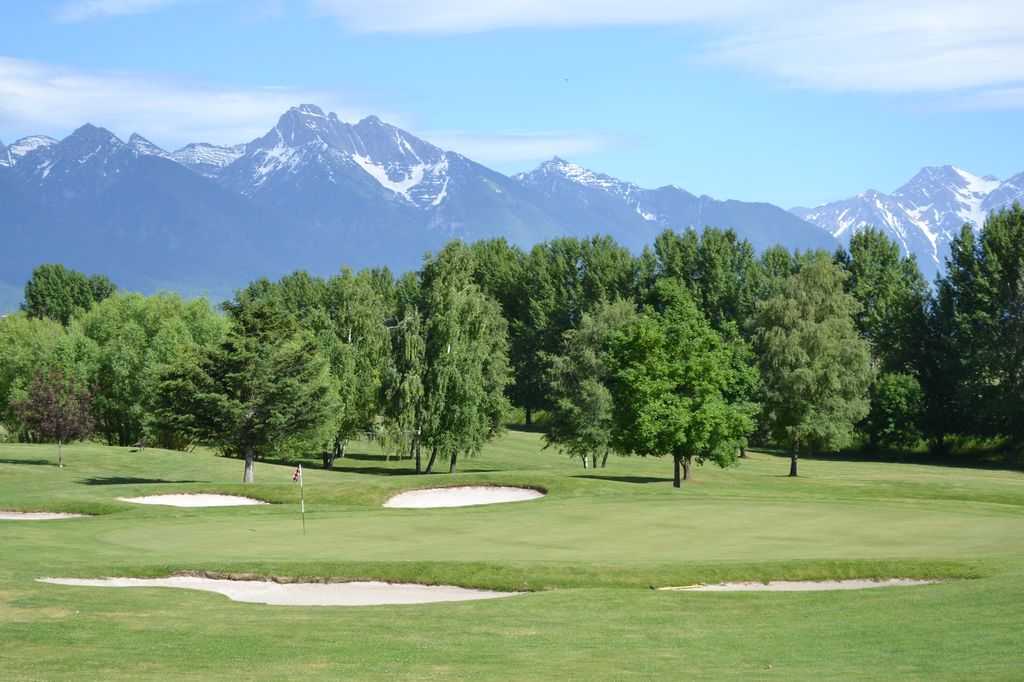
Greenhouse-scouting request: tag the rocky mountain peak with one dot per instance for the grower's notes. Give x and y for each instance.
(143, 147)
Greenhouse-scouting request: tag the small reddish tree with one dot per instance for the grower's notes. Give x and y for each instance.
(56, 408)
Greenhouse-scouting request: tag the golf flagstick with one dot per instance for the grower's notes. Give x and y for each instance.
(302, 496)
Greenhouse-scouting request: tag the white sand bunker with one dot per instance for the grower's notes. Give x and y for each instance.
(193, 500)
(35, 516)
(301, 594)
(461, 496)
(799, 585)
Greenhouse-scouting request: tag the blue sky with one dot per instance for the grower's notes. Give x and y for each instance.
(793, 102)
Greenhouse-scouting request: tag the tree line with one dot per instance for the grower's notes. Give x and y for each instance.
(692, 349)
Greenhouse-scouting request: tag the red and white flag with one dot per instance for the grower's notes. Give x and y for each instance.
(297, 476)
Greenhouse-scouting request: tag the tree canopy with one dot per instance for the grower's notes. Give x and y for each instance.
(815, 366)
(680, 389)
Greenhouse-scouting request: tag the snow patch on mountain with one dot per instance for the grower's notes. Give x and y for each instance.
(140, 146)
(201, 153)
(275, 159)
(29, 144)
(405, 178)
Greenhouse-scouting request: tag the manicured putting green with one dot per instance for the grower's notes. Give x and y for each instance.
(587, 555)
(658, 530)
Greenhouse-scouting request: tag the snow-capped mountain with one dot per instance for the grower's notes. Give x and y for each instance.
(369, 153)
(636, 215)
(316, 193)
(98, 204)
(207, 159)
(923, 215)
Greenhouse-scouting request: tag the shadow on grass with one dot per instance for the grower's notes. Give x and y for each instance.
(626, 479)
(365, 457)
(127, 480)
(36, 462)
(982, 459)
(379, 471)
(383, 471)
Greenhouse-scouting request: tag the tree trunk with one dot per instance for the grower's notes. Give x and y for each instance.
(675, 478)
(687, 468)
(60, 453)
(795, 457)
(1015, 452)
(455, 459)
(419, 460)
(743, 452)
(250, 456)
(529, 416)
(584, 458)
(604, 459)
(341, 453)
(329, 456)
(430, 462)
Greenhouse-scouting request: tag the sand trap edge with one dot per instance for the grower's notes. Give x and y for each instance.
(194, 500)
(355, 593)
(799, 585)
(462, 496)
(14, 515)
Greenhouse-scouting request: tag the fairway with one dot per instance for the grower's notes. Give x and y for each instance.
(586, 553)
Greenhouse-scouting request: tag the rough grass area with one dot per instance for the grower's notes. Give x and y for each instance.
(588, 553)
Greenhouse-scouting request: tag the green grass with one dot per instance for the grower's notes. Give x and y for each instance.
(587, 554)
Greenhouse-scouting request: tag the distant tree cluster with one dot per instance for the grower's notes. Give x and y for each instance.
(690, 350)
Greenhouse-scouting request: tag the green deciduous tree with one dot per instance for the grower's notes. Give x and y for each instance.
(134, 337)
(57, 292)
(897, 406)
(465, 359)
(28, 344)
(815, 366)
(679, 388)
(581, 420)
(562, 280)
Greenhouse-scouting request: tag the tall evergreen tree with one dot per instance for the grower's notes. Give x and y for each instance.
(979, 314)
(892, 294)
(893, 297)
(266, 385)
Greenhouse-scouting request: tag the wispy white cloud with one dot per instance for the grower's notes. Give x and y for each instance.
(858, 45)
(468, 16)
(885, 47)
(520, 147)
(37, 97)
(53, 99)
(86, 10)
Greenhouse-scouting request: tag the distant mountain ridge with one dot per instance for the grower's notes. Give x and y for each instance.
(316, 193)
(924, 214)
